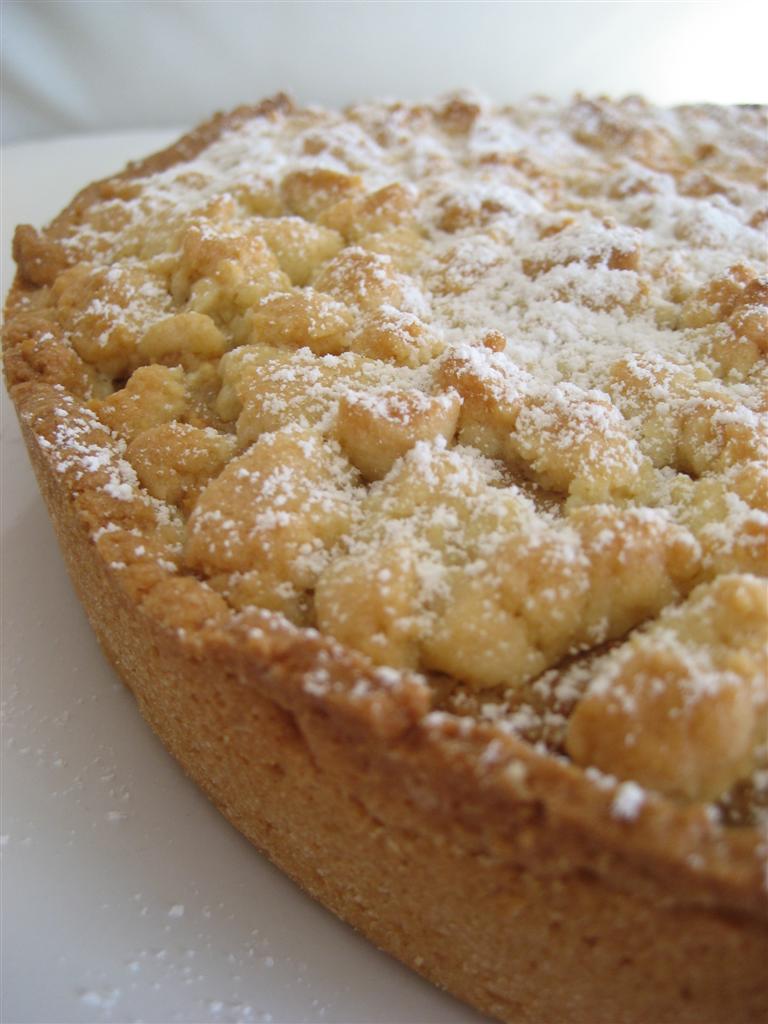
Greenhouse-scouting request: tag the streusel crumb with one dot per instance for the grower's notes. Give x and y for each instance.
(480, 392)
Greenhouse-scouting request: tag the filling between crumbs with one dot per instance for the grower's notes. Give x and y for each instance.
(479, 392)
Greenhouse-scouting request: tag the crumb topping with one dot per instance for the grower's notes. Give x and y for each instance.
(479, 392)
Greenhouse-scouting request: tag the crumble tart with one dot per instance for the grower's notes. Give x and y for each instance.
(411, 465)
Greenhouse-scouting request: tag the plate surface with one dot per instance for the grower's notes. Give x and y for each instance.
(126, 896)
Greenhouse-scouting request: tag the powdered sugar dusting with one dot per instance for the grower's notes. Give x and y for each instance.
(628, 801)
(477, 391)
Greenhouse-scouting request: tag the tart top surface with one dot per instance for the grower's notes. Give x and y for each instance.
(480, 393)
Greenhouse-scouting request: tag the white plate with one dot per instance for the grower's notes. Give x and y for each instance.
(126, 896)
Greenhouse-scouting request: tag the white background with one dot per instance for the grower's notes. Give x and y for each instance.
(74, 66)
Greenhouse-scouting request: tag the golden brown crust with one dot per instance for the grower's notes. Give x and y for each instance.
(506, 875)
(185, 148)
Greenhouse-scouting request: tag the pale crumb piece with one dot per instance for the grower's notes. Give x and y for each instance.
(309, 192)
(375, 428)
(382, 620)
(261, 530)
(683, 706)
(153, 395)
(307, 318)
(104, 311)
(687, 420)
(567, 439)
(397, 337)
(728, 514)
(551, 591)
(359, 216)
(300, 246)
(369, 281)
(224, 274)
(174, 461)
(265, 388)
(185, 338)
(182, 603)
(457, 572)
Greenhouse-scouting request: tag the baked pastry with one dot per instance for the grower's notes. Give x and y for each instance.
(411, 465)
